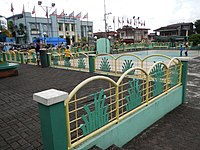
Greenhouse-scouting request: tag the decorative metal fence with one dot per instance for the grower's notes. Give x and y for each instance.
(99, 102)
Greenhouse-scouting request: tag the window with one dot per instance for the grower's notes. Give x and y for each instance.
(66, 27)
(89, 28)
(73, 27)
(60, 27)
(33, 27)
(45, 28)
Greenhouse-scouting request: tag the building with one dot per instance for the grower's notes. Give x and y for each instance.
(177, 31)
(130, 34)
(71, 29)
(126, 34)
(3, 22)
(151, 37)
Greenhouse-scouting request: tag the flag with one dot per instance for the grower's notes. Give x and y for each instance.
(71, 15)
(133, 17)
(33, 10)
(138, 18)
(11, 9)
(46, 14)
(61, 14)
(119, 20)
(122, 20)
(55, 12)
(127, 21)
(78, 16)
(130, 21)
(144, 23)
(23, 10)
(86, 16)
(113, 19)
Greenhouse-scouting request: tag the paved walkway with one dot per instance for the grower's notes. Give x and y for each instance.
(19, 118)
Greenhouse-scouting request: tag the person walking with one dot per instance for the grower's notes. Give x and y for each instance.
(186, 48)
(37, 51)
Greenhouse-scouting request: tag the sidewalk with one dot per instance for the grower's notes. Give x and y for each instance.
(19, 118)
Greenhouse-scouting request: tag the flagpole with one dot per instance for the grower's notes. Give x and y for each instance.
(35, 19)
(114, 23)
(25, 21)
(118, 22)
(87, 32)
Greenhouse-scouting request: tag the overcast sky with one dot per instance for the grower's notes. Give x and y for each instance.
(156, 13)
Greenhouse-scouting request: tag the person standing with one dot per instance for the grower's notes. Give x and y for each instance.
(37, 51)
(67, 54)
(181, 50)
(186, 48)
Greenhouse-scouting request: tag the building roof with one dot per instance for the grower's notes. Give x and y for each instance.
(172, 26)
(131, 28)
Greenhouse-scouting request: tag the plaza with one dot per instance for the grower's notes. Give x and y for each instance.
(20, 127)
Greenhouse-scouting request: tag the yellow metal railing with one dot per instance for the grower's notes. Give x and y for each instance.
(135, 89)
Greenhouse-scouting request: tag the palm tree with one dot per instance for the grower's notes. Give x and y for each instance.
(22, 31)
(11, 28)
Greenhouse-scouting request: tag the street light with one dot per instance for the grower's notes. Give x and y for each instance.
(95, 39)
(105, 19)
(47, 9)
(44, 34)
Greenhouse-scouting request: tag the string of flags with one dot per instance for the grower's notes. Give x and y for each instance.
(135, 21)
(71, 15)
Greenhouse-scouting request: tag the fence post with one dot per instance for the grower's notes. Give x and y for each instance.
(91, 63)
(17, 57)
(4, 56)
(49, 59)
(52, 118)
(22, 57)
(184, 77)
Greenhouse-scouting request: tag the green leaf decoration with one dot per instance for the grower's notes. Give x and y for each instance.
(157, 73)
(33, 58)
(81, 63)
(127, 64)
(55, 60)
(67, 62)
(105, 66)
(174, 76)
(97, 118)
(134, 97)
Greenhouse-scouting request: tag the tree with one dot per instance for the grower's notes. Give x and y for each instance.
(197, 26)
(11, 28)
(195, 38)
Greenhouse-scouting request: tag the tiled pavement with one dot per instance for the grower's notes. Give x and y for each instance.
(19, 118)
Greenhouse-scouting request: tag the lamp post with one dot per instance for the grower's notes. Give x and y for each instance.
(47, 9)
(44, 34)
(106, 25)
(109, 38)
(95, 40)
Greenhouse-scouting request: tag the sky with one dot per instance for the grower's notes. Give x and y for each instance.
(155, 13)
